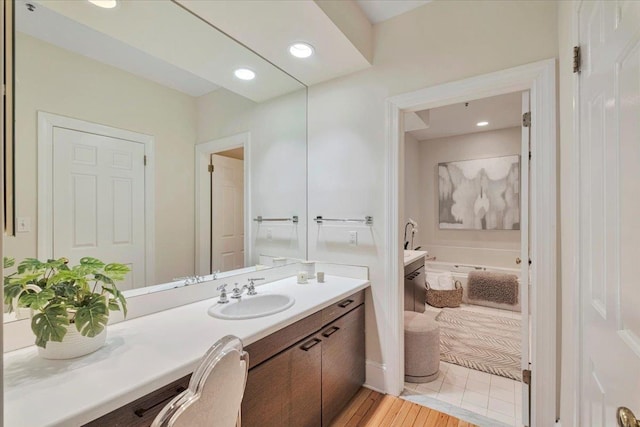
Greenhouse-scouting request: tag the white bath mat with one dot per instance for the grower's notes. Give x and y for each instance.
(481, 341)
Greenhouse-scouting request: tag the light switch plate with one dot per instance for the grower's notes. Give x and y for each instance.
(23, 224)
(353, 238)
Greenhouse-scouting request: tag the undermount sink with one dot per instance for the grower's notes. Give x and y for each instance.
(249, 307)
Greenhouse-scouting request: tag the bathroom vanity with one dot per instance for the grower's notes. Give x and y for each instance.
(306, 361)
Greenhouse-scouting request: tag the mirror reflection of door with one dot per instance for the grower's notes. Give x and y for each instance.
(227, 210)
(98, 193)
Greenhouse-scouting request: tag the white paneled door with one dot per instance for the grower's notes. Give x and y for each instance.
(99, 200)
(227, 213)
(609, 105)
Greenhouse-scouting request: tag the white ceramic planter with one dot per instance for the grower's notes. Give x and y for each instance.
(73, 345)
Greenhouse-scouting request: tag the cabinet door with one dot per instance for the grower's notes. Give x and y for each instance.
(343, 364)
(285, 390)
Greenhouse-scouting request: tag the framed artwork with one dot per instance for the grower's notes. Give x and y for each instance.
(481, 194)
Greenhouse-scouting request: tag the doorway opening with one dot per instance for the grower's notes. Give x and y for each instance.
(464, 234)
(223, 225)
(539, 79)
(226, 207)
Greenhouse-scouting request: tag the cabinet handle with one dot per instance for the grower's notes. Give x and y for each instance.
(330, 331)
(309, 344)
(345, 303)
(141, 411)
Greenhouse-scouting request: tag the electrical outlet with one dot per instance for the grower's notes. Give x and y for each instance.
(269, 233)
(23, 224)
(353, 238)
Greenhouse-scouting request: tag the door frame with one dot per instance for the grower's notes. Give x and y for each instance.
(540, 79)
(46, 123)
(203, 227)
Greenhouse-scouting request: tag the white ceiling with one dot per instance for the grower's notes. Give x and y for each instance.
(157, 40)
(381, 10)
(503, 111)
(270, 26)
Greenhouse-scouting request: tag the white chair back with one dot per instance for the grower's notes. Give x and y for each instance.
(215, 390)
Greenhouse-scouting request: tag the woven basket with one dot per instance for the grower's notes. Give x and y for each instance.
(449, 298)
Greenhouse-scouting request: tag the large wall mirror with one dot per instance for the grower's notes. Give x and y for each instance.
(139, 138)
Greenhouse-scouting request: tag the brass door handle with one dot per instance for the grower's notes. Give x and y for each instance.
(518, 260)
(626, 418)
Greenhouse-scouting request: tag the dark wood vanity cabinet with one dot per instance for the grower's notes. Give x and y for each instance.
(308, 383)
(343, 364)
(299, 376)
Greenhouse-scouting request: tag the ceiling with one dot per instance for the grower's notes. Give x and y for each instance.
(503, 111)
(381, 10)
(338, 31)
(161, 40)
(157, 40)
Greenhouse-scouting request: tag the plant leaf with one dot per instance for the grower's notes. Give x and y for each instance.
(11, 290)
(30, 264)
(116, 271)
(50, 325)
(36, 300)
(92, 318)
(117, 295)
(91, 263)
(102, 278)
(65, 290)
(9, 262)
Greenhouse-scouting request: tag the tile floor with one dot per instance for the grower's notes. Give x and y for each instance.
(493, 396)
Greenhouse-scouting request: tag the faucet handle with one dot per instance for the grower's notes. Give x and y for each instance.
(223, 294)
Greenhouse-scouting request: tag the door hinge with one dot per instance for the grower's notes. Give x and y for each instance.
(210, 168)
(577, 59)
(526, 119)
(145, 160)
(526, 376)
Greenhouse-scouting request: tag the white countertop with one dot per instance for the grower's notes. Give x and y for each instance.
(411, 256)
(143, 354)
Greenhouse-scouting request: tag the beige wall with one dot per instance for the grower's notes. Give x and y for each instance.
(278, 161)
(440, 42)
(567, 296)
(498, 248)
(57, 81)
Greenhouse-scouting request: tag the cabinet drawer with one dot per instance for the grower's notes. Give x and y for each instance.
(342, 307)
(142, 412)
(280, 340)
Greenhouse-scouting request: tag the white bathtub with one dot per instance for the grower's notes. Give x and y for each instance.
(460, 272)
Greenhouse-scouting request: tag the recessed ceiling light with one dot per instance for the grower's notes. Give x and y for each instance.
(105, 4)
(301, 50)
(244, 74)
(482, 123)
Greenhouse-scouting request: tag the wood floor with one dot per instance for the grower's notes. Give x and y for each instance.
(373, 409)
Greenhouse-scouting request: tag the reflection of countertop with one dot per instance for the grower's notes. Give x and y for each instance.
(142, 355)
(411, 256)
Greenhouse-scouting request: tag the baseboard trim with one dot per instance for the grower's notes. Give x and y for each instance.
(375, 376)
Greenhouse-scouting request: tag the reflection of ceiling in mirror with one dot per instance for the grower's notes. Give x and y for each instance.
(156, 40)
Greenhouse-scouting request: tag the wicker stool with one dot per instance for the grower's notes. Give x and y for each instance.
(421, 348)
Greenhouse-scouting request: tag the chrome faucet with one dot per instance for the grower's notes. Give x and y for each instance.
(252, 287)
(237, 292)
(223, 294)
(215, 274)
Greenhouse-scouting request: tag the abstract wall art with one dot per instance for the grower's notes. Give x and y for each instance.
(481, 194)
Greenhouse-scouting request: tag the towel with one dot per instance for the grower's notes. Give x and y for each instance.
(490, 286)
(440, 280)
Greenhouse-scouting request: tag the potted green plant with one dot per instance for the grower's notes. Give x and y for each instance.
(69, 305)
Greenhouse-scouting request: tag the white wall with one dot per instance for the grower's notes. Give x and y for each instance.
(57, 81)
(278, 161)
(413, 183)
(436, 43)
(498, 248)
